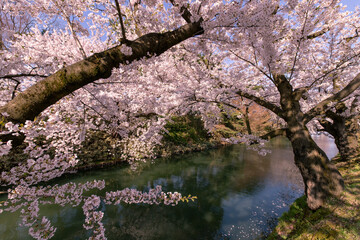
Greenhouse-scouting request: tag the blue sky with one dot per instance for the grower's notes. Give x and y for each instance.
(351, 4)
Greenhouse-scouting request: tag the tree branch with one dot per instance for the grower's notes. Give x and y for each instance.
(146, 115)
(348, 39)
(253, 64)
(185, 13)
(120, 19)
(23, 75)
(354, 104)
(318, 33)
(323, 105)
(15, 89)
(328, 127)
(272, 107)
(31, 102)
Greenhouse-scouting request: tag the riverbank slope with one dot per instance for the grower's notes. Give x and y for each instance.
(338, 219)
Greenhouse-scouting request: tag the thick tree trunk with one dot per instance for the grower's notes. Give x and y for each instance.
(347, 140)
(321, 178)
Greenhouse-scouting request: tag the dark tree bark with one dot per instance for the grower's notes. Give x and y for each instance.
(31, 102)
(247, 120)
(345, 131)
(321, 107)
(321, 178)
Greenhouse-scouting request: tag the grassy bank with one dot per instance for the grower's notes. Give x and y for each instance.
(338, 219)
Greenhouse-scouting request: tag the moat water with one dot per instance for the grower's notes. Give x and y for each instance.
(240, 196)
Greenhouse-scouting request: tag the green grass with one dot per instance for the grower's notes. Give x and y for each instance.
(183, 130)
(339, 218)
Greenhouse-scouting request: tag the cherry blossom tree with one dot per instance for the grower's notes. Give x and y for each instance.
(286, 56)
(56, 48)
(74, 74)
(125, 66)
(290, 50)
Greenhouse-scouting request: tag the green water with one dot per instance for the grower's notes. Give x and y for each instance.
(240, 196)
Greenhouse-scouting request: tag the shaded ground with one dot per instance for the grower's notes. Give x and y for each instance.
(338, 219)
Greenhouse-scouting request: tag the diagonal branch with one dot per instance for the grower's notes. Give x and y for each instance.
(328, 126)
(298, 46)
(272, 107)
(323, 105)
(337, 67)
(23, 75)
(71, 27)
(318, 33)
(312, 35)
(253, 64)
(348, 39)
(185, 13)
(35, 99)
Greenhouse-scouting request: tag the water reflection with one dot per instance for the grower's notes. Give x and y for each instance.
(240, 196)
(327, 144)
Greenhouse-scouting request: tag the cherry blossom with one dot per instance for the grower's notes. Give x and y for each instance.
(303, 54)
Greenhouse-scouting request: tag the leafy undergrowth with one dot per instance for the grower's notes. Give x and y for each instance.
(338, 219)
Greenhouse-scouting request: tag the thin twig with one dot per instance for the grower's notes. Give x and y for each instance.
(120, 18)
(11, 76)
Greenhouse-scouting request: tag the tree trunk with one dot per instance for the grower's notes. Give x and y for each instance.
(247, 120)
(347, 140)
(345, 132)
(321, 178)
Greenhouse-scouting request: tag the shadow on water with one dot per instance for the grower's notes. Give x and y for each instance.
(240, 196)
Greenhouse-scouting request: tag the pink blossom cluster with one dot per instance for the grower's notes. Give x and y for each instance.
(43, 169)
(126, 50)
(93, 218)
(38, 228)
(154, 196)
(28, 200)
(129, 196)
(315, 44)
(5, 147)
